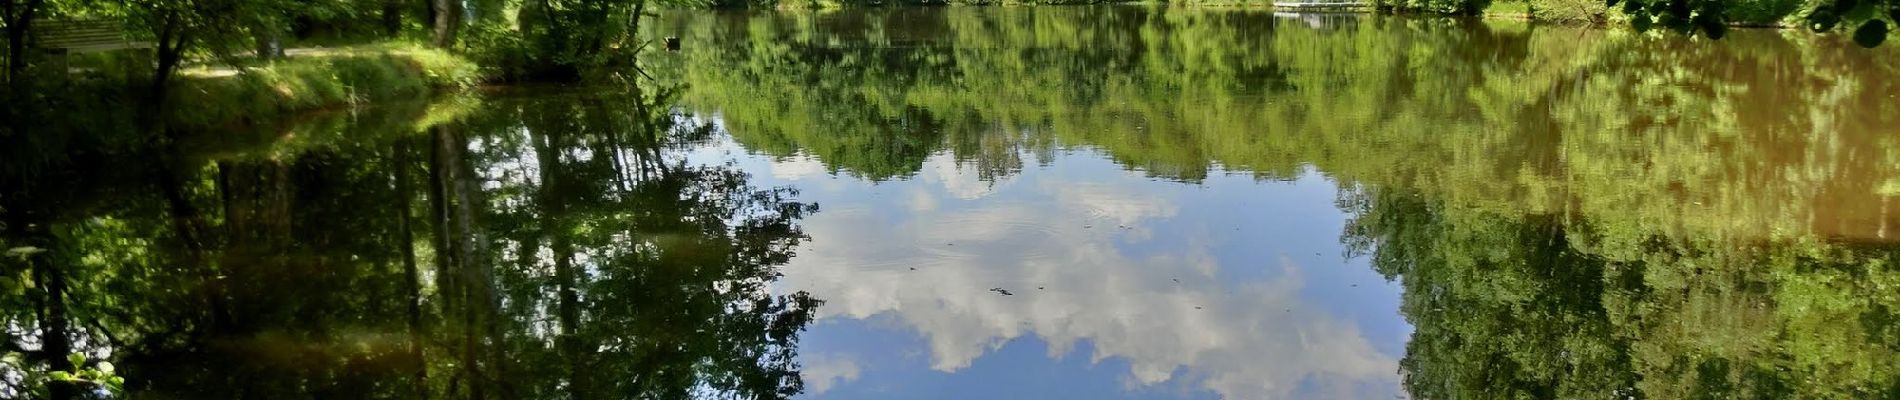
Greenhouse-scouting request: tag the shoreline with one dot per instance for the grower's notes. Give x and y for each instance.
(1608, 20)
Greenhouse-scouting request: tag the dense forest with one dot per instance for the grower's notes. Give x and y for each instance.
(179, 48)
(566, 39)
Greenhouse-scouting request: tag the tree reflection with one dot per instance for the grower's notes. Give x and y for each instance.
(1512, 305)
(1572, 213)
(543, 247)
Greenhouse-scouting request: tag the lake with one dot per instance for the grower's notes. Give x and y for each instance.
(1015, 202)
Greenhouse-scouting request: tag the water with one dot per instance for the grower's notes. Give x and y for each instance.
(1055, 202)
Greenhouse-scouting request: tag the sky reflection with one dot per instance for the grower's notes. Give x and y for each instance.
(1121, 285)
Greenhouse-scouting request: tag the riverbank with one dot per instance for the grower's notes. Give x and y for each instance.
(311, 79)
(1761, 14)
(102, 106)
(217, 94)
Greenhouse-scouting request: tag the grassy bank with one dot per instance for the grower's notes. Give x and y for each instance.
(103, 104)
(316, 79)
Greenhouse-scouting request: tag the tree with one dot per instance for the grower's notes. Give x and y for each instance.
(17, 16)
(445, 23)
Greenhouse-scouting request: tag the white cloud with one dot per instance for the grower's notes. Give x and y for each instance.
(797, 167)
(920, 200)
(1255, 339)
(960, 180)
(822, 371)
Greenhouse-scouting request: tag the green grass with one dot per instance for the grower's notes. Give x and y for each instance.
(1562, 11)
(1508, 8)
(319, 79)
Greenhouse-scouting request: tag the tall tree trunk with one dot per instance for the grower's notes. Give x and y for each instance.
(429, 14)
(447, 23)
(19, 17)
(269, 43)
(392, 18)
(172, 42)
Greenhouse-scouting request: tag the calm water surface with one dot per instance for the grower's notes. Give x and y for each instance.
(1058, 202)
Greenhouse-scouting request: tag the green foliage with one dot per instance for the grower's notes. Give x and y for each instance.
(569, 40)
(34, 380)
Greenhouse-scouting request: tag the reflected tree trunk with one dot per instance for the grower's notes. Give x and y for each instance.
(451, 282)
(464, 277)
(412, 277)
(55, 323)
(189, 225)
(554, 226)
(256, 197)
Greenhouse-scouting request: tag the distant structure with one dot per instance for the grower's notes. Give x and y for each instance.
(1322, 5)
(1329, 19)
(59, 38)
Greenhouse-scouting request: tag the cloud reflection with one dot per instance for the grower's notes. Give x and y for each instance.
(1061, 246)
